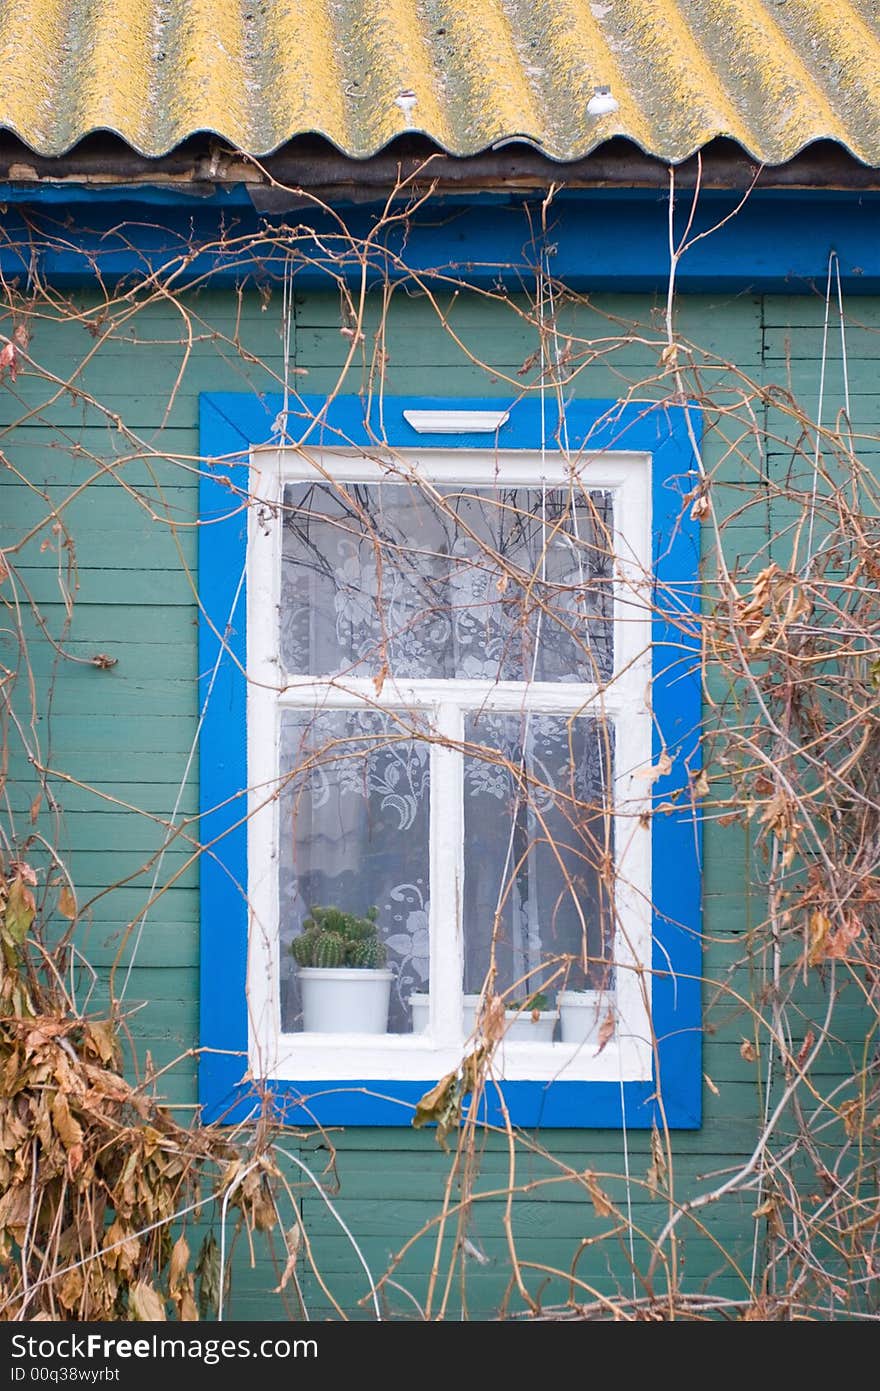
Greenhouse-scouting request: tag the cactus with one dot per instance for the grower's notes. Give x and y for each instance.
(329, 950)
(332, 938)
(359, 930)
(367, 955)
(303, 947)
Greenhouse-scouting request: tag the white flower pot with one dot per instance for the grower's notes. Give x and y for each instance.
(471, 1004)
(420, 1004)
(582, 1013)
(521, 1026)
(345, 999)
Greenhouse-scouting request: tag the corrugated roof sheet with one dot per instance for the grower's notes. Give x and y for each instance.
(773, 75)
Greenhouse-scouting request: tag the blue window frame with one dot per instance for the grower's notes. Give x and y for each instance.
(231, 426)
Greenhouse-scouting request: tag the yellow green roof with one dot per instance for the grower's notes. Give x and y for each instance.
(773, 75)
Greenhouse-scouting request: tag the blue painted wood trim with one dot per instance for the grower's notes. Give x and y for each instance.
(222, 768)
(230, 425)
(604, 240)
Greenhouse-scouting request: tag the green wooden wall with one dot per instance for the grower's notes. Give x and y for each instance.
(118, 739)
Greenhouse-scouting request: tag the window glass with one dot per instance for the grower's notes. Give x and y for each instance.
(506, 583)
(354, 829)
(537, 834)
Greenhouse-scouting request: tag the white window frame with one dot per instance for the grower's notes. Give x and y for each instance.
(302, 1057)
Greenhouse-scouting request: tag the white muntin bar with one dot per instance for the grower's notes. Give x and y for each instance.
(447, 876)
(348, 693)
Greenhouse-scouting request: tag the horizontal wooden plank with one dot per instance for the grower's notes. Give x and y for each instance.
(169, 943)
(105, 508)
(148, 733)
(495, 309)
(101, 765)
(127, 831)
(136, 661)
(532, 1221)
(108, 623)
(110, 588)
(144, 546)
(78, 695)
(164, 993)
(71, 798)
(94, 869)
(102, 457)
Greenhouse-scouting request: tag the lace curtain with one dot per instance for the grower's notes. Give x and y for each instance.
(355, 805)
(510, 584)
(536, 828)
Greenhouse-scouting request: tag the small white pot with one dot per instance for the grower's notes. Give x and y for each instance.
(420, 1004)
(582, 1013)
(521, 1026)
(471, 1005)
(345, 999)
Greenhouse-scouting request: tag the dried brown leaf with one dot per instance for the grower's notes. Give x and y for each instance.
(700, 784)
(657, 1169)
(770, 1209)
(820, 927)
(20, 910)
(102, 1042)
(122, 1247)
(294, 1239)
(70, 1289)
(9, 360)
(606, 1031)
(659, 769)
(178, 1265)
(440, 1106)
(599, 1198)
(700, 506)
(67, 904)
(145, 1305)
(804, 1050)
(105, 1086)
(188, 1311)
(841, 943)
(67, 1127)
(15, 1210)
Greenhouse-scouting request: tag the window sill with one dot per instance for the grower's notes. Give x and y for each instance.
(306, 1058)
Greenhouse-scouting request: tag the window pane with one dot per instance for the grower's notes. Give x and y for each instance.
(536, 835)
(354, 834)
(491, 583)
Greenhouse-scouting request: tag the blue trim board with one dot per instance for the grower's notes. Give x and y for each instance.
(230, 425)
(778, 242)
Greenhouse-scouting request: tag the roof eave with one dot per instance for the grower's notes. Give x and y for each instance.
(203, 166)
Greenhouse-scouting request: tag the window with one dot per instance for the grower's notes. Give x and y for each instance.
(448, 718)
